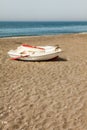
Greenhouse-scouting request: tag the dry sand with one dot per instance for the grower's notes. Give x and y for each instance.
(44, 95)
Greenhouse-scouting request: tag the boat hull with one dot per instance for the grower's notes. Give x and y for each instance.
(39, 58)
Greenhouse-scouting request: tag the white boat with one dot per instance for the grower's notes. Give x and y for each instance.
(34, 53)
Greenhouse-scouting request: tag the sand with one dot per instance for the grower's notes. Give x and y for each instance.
(50, 95)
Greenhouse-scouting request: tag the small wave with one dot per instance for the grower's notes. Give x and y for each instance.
(83, 33)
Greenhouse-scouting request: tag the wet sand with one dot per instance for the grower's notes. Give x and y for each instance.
(50, 95)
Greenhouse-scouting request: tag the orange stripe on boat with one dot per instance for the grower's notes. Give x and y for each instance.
(25, 45)
(15, 58)
(18, 57)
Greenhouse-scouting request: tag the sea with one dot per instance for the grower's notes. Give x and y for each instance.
(32, 28)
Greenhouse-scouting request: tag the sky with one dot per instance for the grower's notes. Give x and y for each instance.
(43, 10)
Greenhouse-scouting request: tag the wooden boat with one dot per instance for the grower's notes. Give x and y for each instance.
(34, 53)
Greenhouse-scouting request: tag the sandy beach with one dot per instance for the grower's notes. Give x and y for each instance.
(50, 95)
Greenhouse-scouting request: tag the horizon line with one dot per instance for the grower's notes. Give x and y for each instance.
(43, 20)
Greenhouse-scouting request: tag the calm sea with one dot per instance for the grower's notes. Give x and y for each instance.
(14, 29)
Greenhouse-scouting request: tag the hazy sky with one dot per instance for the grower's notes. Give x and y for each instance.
(38, 10)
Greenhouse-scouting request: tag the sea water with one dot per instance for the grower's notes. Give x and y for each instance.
(15, 29)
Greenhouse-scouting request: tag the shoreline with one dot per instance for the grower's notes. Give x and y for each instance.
(15, 37)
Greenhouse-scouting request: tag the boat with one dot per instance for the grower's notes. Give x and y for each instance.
(34, 53)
